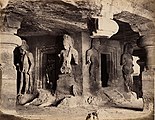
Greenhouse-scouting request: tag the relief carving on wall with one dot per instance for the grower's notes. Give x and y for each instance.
(67, 54)
(92, 59)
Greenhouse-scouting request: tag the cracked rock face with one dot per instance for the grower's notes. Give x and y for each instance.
(59, 16)
(48, 16)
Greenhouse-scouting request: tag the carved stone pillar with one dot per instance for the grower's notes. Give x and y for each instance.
(148, 42)
(148, 75)
(150, 57)
(8, 42)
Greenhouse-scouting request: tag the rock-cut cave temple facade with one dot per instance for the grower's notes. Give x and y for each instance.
(77, 48)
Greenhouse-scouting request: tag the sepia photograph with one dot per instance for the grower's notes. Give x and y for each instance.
(77, 59)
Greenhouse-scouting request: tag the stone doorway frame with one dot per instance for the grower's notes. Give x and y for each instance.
(40, 52)
(112, 52)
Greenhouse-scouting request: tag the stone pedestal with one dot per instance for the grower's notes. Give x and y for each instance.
(65, 86)
(8, 42)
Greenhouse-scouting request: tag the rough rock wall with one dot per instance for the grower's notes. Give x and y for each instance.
(51, 16)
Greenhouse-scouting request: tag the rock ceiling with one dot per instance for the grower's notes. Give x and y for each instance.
(53, 17)
(59, 16)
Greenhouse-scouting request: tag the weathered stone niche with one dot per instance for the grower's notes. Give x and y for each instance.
(45, 50)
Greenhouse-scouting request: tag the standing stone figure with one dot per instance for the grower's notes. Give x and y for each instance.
(127, 67)
(24, 62)
(93, 60)
(67, 55)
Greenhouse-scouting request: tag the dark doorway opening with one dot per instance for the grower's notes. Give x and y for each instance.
(104, 70)
(51, 71)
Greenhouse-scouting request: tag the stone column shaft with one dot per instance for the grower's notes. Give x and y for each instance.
(9, 23)
(150, 56)
(148, 75)
(8, 42)
(148, 43)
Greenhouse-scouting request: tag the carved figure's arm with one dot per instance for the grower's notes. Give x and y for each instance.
(31, 60)
(123, 59)
(75, 56)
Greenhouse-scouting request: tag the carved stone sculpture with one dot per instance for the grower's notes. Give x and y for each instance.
(127, 67)
(67, 54)
(92, 60)
(24, 62)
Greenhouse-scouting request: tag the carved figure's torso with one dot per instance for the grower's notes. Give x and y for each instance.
(66, 66)
(127, 62)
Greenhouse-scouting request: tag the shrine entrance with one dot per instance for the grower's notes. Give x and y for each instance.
(50, 70)
(104, 69)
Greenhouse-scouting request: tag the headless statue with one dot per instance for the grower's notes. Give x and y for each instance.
(127, 67)
(67, 54)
